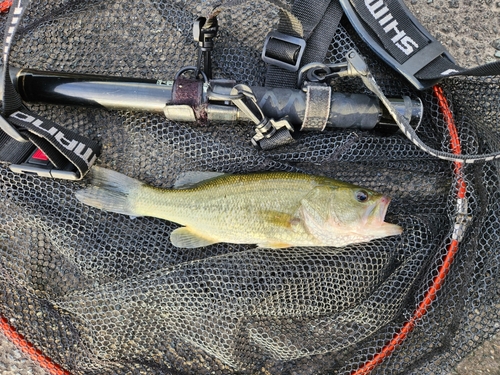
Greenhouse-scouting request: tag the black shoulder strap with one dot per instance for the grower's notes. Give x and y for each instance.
(388, 28)
(391, 31)
(69, 155)
(303, 36)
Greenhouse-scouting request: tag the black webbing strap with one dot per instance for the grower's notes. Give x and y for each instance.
(60, 145)
(389, 28)
(22, 131)
(313, 22)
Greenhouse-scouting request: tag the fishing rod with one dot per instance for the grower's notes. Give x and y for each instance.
(276, 112)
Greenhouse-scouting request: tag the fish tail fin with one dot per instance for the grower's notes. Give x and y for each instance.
(113, 192)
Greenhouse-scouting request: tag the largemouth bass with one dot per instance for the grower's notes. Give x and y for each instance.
(270, 209)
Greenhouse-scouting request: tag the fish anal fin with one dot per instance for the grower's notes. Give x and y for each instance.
(273, 245)
(188, 238)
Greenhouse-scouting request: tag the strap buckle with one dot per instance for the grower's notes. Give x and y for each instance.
(284, 51)
(38, 164)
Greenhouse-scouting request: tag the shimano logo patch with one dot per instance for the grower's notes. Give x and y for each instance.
(72, 145)
(381, 13)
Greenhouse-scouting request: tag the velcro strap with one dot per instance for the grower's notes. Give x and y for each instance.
(318, 101)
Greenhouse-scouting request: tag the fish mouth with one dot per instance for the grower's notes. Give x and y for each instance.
(375, 215)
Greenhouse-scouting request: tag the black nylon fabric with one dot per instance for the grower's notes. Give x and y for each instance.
(104, 293)
(11, 100)
(59, 144)
(319, 23)
(12, 151)
(389, 23)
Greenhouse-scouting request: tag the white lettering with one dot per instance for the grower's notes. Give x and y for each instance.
(23, 117)
(392, 26)
(34, 121)
(378, 9)
(373, 5)
(69, 144)
(401, 40)
(66, 143)
(78, 151)
(386, 19)
(380, 13)
(406, 45)
(37, 122)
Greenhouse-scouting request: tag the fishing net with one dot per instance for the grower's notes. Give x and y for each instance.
(105, 293)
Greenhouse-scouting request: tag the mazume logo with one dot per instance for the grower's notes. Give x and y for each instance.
(381, 13)
(72, 145)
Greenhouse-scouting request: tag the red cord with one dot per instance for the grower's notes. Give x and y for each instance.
(443, 270)
(5, 6)
(25, 346)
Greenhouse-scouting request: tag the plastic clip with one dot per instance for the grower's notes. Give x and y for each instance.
(319, 72)
(38, 164)
(205, 32)
(283, 50)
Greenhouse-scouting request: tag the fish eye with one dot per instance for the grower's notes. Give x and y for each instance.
(361, 196)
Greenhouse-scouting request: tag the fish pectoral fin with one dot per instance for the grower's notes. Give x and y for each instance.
(186, 237)
(281, 219)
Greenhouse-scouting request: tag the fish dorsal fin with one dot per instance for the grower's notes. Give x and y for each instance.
(191, 179)
(188, 238)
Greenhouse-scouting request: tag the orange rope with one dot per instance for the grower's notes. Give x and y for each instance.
(443, 270)
(5, 6)
(26, 347)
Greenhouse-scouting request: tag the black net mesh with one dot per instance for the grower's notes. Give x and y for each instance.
(100, 292)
